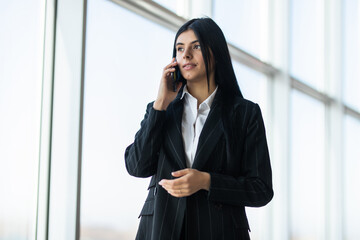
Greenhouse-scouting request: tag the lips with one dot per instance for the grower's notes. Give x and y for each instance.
(189, 66)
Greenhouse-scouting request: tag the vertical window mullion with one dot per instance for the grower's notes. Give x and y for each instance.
(66, 138)
(45, 128)
(334, 119)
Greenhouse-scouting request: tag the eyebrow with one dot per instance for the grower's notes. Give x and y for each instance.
(180, 43)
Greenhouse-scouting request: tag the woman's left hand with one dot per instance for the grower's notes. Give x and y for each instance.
(188, 182)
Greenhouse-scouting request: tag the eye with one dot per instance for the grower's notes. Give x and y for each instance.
(197, 46)
(180, 49)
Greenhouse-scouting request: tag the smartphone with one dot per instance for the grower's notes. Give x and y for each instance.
(176, 77)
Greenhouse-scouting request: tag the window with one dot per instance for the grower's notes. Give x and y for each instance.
(21, 31)
(351, 178)
(307, 168)
(307, 44)
(246, 27)
(253, 86)
(351, 56)
(122, 74)
(127, 45)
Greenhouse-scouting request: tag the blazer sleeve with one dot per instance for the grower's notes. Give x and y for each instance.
(141, 156)
(254, 185)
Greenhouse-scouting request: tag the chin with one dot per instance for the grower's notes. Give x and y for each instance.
(195, 78)
(191, 77)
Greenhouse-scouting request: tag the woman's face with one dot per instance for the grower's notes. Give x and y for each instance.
(189, 57)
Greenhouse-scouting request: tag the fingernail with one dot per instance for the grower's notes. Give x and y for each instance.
(160, 183)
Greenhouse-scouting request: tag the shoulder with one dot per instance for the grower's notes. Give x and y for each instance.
(242, 105)
(150, 105)
(246, 113)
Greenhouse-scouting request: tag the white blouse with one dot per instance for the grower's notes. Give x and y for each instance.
(193, 120)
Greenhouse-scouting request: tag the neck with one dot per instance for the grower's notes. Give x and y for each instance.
(200, 90)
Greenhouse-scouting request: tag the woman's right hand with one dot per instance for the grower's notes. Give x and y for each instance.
(166, 93)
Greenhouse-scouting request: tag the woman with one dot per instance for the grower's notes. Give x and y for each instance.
(203, 144)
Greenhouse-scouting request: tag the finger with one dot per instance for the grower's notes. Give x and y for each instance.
(179, 193)
(167, 72)
(181, 172)
(175, 194)
(171, 184)
(171, 65)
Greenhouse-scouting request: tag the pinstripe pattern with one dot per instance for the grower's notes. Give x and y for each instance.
(174, 225)
(239, 177)
(198, 219)
(180, 159)
(163, 218)
(201, 155)
(211, 234)
(223, 228)
(174, 135)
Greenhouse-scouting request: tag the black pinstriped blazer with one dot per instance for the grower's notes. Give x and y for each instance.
(239, 177)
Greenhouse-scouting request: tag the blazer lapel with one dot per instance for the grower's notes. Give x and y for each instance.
(210, 134)
(174, 134)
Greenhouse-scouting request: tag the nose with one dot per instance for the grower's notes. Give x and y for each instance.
(187, 53)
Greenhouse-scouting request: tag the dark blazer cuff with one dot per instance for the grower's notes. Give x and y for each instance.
(215, 193)
(227, 190)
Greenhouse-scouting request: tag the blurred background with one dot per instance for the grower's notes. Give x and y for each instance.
(75, 78)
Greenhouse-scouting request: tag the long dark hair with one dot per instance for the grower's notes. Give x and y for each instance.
(212, 40)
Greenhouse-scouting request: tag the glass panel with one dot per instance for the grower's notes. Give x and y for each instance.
(253, 86)
(351, 179)
(125, 55)
(247, 26)
(21, 51)
(307, 44)
(307, 168)
(351, 46)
